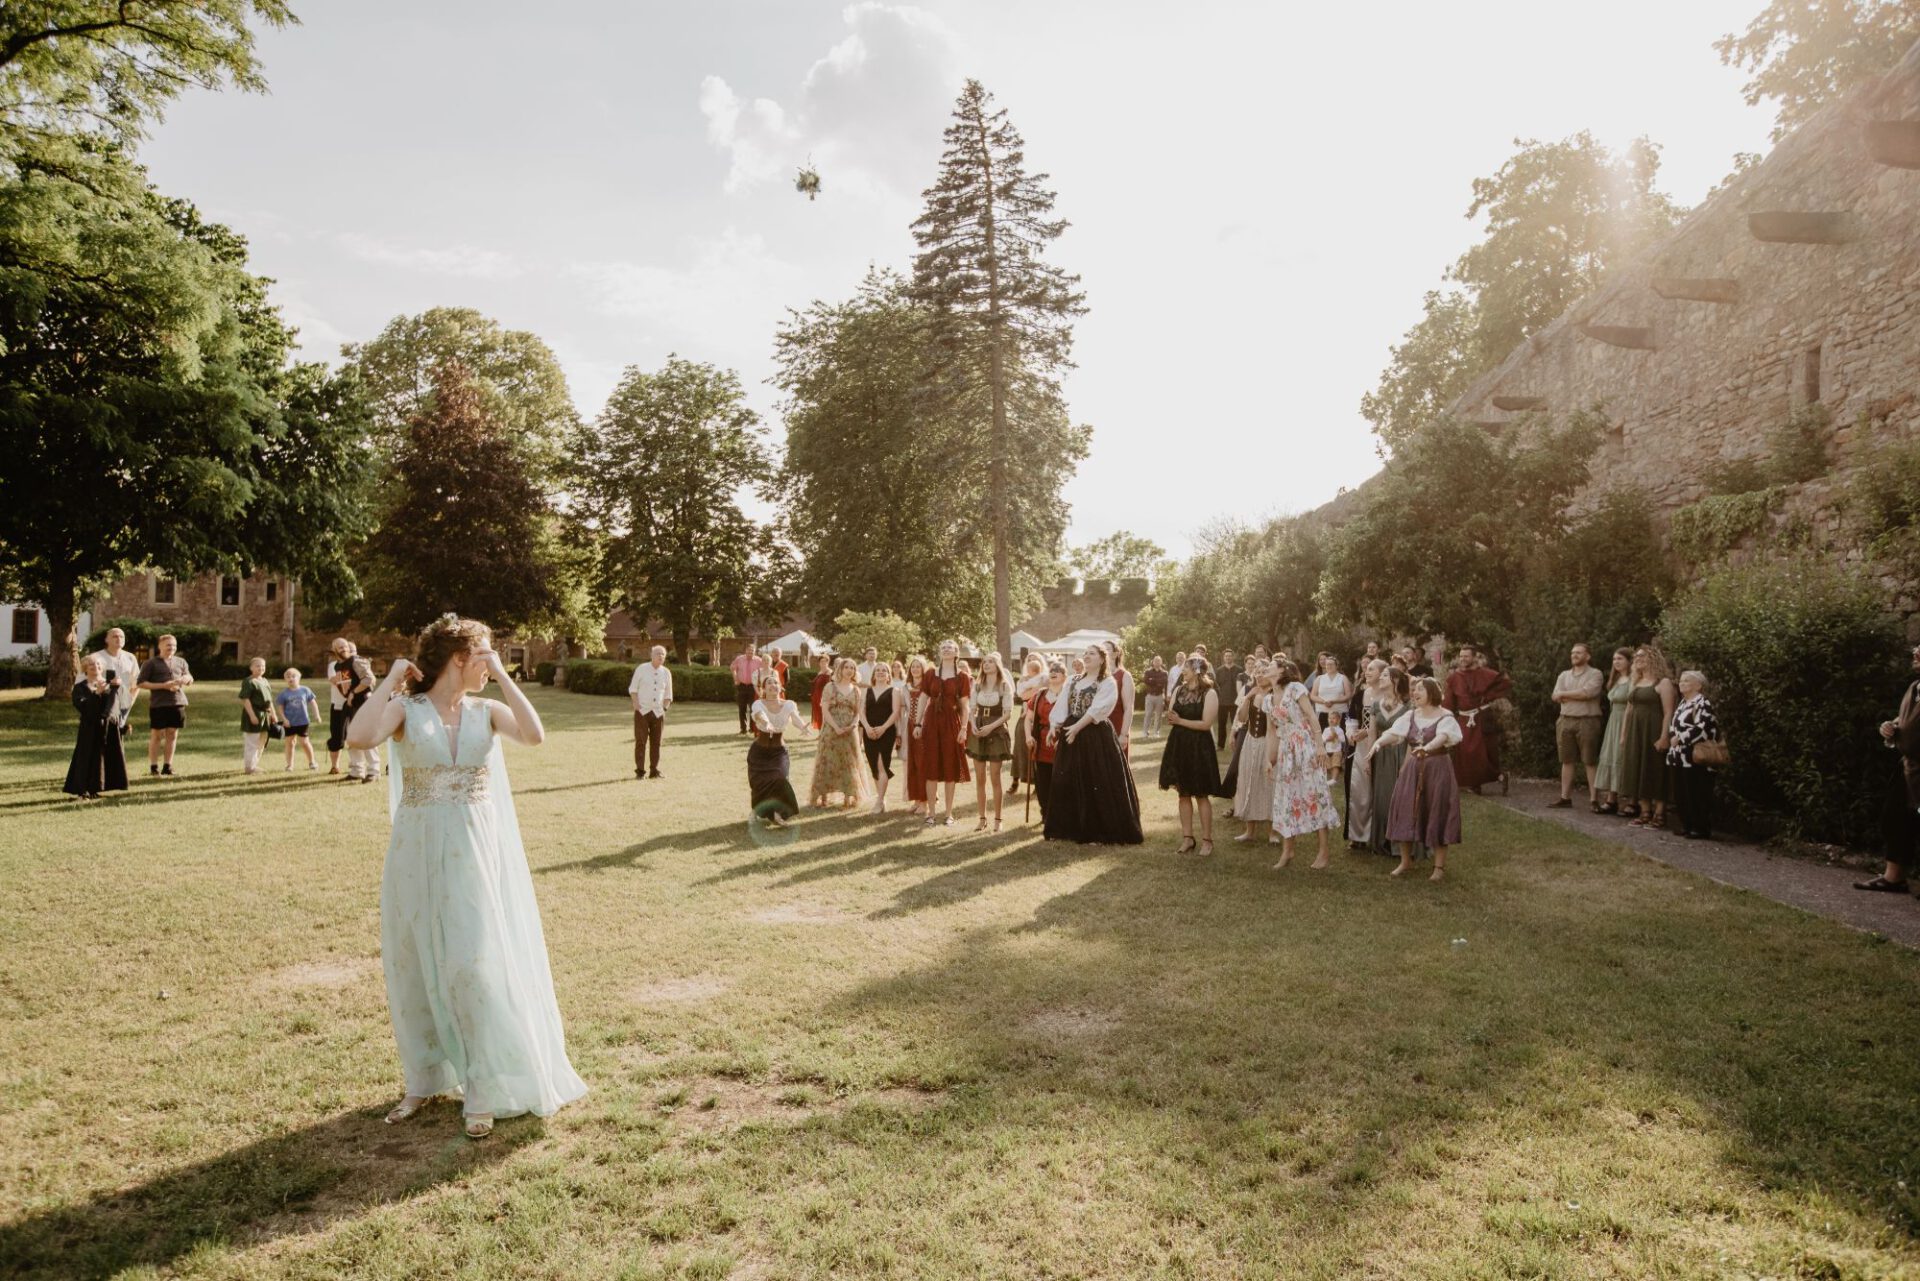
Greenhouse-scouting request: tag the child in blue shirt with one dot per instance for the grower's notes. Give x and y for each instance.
(297, 707)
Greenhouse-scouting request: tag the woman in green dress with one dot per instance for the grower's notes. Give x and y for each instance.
(1651, 696)
(1384, 766)
(1606, 777)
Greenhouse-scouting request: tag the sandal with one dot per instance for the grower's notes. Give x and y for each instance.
(405, 1109)
(479, 1125)
(1881, 885)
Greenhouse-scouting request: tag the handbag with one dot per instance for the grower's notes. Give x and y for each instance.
(1712, 751)
(276, 730)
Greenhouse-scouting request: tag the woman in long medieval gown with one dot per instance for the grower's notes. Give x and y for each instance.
(468, 986)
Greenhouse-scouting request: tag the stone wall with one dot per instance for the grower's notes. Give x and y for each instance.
(260, 621)
(1799, 282)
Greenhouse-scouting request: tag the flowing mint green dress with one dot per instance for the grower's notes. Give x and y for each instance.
(1606, 778)
(468, 985)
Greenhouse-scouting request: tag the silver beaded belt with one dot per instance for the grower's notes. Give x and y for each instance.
(446, 785)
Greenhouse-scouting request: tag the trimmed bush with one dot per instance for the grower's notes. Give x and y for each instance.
(1802, 662)
(611, 677)
(198, 644)
(544, 673)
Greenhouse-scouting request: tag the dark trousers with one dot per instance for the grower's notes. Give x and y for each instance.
(1043, 785)
(743, 699)
(1693, 793)
(646, 739)
(1222, 723)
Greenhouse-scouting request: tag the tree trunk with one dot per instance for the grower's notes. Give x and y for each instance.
(680, 640)
(997, 386)
(63, 659)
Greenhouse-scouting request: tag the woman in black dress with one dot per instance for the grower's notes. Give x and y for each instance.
(1190, 765)
(879, 722)
(767, 760)
(1092, 798)
(98, 764)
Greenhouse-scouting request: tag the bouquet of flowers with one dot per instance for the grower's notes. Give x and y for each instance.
(808, 181)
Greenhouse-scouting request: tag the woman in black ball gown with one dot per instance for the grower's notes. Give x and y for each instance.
(1092, 797)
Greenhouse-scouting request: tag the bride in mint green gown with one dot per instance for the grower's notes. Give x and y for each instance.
(468, 986)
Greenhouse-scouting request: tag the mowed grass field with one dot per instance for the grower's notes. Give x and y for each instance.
(879, 1051)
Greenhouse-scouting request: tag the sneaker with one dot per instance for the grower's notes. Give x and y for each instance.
(153, 770)
(289, 767)
(167, 770)
(655, 774)
(313, 765)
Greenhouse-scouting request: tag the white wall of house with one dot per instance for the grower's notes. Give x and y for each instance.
(24, 626)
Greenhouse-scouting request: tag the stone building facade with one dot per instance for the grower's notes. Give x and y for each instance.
(1797, 284)
(257, 615)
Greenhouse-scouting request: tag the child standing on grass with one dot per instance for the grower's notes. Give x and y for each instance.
(256, 714)
(297, 707)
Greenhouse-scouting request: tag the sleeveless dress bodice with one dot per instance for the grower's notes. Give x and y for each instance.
(439, 767)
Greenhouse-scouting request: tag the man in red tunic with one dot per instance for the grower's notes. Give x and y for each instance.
(1471, 687)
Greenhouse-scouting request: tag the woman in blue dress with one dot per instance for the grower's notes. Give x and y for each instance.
(468, 985)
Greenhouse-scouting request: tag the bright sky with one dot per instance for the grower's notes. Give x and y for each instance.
(1260, 193)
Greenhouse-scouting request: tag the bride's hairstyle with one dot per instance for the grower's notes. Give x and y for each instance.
(444, 637)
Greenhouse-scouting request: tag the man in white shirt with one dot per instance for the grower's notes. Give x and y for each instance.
(116, 661)
(652, 690)
(866, 666)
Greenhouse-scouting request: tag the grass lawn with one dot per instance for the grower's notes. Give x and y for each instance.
(878, 1051)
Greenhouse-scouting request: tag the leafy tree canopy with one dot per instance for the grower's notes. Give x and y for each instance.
(895, 637)
(1118, 555)
(1804, 54)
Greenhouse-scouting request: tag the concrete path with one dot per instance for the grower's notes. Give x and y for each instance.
(1811, 887)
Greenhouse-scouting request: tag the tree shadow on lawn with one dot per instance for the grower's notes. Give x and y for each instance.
(147, 790)
(1329, 1017)
(291, 1183)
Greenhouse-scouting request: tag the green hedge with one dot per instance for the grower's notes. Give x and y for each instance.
(198, 644)
(543, 673)
(690, 684)
(1802, 663)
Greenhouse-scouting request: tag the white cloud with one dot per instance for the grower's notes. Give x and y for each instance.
(465, 261)
(728, 289)
(869, 112)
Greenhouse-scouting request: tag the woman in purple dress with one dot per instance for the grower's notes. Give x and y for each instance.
(1426, 799)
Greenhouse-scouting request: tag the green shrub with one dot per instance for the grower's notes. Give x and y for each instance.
(1884, 508)
(1705, 531)
(1803, 662)
(611, 677)
(544, 673)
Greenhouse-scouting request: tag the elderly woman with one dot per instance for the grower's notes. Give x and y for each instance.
(1693, 724)
(98, 764)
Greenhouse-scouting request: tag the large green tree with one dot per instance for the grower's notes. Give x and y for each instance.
(1003, 323)
(1447, 533)
(1558, 217)
(147, 412)
(468, 529)
(1804, 54)
(1119, 555)
(869, 483)
(107, 69)
(514, 370)
(660, 477)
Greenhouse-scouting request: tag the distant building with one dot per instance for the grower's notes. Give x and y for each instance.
(24, 627)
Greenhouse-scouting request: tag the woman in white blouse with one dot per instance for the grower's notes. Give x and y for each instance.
(1092, 798)
(1331, 691)
(1426, 799)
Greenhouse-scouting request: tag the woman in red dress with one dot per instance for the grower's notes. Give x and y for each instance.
(913, 700)
(940, 730)
(1122, 717)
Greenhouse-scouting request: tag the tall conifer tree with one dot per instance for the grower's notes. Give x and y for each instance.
(1003, 320)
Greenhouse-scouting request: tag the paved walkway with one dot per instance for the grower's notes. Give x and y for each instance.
(1811, 887)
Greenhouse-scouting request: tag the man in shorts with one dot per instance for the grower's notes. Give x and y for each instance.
(165, 677)
(1579, 692)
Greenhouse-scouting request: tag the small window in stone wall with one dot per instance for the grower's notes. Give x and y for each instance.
(26, 626)
(229, 590)
(1810, 375)
(230, 652)
(273, 589)
(163, 590)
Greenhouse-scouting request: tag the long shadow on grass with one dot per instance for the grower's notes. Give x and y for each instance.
(267, 1189)
(1322, 1033)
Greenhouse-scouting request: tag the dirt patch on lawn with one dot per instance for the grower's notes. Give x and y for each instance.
(1076, 1023)
(801, 914)
(333, 974)
(700, 987)
(710, 1104)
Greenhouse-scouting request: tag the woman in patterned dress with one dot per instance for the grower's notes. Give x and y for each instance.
(1297, 767)
(1426, 798)
(990, 737)
(837, 767)
(940, 731)
(1693, 724)
(1363, 713)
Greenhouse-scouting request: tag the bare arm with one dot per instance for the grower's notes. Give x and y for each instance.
(381, 714)
(515, 717)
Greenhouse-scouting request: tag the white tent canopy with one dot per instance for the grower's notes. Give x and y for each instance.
(1025, 641)
(1074, 642)
(799, 641)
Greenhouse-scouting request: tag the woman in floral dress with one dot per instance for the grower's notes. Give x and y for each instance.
(837, 768)
(1297, 765)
